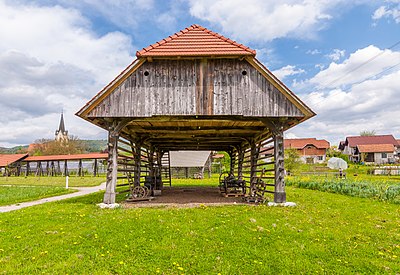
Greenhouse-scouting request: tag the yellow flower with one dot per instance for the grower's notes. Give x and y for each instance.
(121, 262)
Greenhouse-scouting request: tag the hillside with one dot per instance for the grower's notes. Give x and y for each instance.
(14, 150)
(91, 146)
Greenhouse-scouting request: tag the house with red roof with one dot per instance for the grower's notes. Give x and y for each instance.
(379, 149)
(311, 150)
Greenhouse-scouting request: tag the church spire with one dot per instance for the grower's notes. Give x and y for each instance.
(61, 128)
(61, 133)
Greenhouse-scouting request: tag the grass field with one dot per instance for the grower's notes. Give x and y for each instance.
(326, 233)
(52, 181)
(17, 194)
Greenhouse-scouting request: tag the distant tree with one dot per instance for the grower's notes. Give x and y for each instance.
(292, 160)
(63, 147)
(367, 133)
(333, 151)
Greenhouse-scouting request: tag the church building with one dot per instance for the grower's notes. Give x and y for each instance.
(61, 134)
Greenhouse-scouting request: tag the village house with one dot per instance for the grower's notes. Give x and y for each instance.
(380, 149)
(311, 150)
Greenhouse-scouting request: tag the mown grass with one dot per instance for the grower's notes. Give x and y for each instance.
(73, 181)
(213, 181)
(325, 233)
(17, 194)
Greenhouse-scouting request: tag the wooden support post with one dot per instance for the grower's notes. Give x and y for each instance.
(137, 156)
(58, 172)
(52, 168)
(150, 157)
(253, 166)
(209, 166)
(186, 172)
(80, 168)
(159, 167)
(47, 168)
(95, 168)
(232, 162)
(240, 163)
(18, 168)
(66, 172)
(112, 169)
(28, 168)
(279, 192)
(38, 168)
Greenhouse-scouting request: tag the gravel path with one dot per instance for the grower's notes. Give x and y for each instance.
(81, 192)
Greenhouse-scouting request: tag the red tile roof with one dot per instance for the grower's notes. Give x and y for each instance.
(6, 160)
(68, 157)
(300, 143)
(375, 148)
(382, 139)
(195, 41)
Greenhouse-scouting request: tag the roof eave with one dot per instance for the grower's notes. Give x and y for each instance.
(83, 112)
(308, 113)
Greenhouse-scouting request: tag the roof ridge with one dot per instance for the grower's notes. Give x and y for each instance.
(170, 38)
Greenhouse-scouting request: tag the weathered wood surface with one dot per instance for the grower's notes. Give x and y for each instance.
(196, 87)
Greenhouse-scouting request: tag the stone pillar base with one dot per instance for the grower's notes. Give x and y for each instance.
(109, 198)
(280, 197)
(284, 204)
(109, 206)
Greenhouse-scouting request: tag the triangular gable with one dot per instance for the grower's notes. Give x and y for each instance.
(145, 54)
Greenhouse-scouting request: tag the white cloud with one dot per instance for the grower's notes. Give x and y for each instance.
(287, 71)
(360, 65)
(313, 52)
(336, 55)
(392, 10)
(365, 103)
(50, 60)
(266, 20)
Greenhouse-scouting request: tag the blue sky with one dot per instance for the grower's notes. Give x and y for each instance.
(337, 55)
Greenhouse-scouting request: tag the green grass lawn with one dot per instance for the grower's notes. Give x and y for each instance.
(74, 181)
(16, 194)
(326, 233)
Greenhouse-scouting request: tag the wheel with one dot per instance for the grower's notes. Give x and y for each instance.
(140, 192)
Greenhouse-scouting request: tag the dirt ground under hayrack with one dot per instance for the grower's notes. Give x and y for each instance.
(187, 197)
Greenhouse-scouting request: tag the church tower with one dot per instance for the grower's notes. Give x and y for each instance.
(61, 133)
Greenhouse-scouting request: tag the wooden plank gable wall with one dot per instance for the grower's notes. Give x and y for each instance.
(196, 87)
